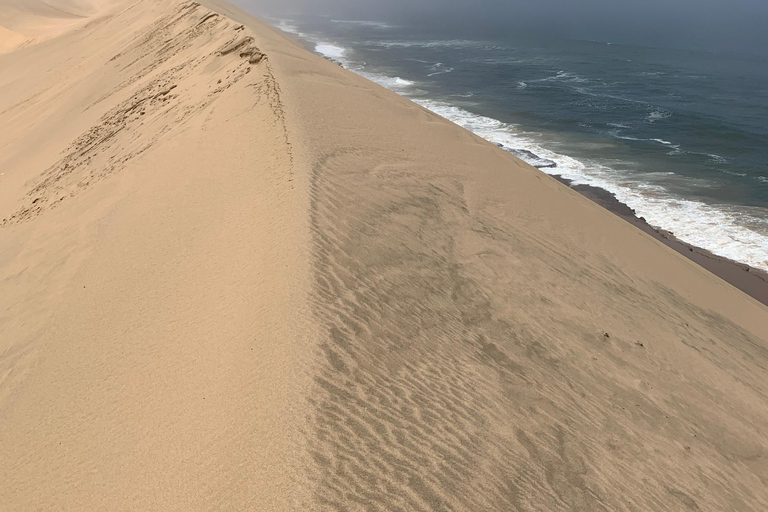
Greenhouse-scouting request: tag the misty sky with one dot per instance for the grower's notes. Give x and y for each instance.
(726, 25)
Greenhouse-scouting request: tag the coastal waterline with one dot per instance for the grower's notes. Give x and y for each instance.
(679, 136)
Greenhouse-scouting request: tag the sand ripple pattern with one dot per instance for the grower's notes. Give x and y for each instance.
(449, 383)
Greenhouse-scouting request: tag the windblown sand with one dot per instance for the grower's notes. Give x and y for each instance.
(234, 276)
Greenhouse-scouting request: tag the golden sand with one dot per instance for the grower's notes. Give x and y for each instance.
(234, 276)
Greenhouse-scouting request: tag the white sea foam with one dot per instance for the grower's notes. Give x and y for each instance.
(396, 84)
(286, 26)
(675, 148)
(658, 115)
(331, 51)
(342, 56)
(289, 27)
(721, 160)
(439, 69)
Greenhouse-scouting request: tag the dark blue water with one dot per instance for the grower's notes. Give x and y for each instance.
(680, 136)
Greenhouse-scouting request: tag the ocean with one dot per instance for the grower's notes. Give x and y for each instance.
(679, 136)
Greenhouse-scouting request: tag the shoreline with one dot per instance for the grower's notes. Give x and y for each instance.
(750, 280)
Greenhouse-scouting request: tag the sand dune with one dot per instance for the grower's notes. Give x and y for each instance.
(152, 307)
(237, 277)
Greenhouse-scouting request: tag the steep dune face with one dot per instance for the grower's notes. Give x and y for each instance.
(237, 277)
(152, 269)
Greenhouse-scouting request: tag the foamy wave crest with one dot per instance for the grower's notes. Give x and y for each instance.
(675, 148)
(341, 55)
(658, 115)
(286, 26)
(289, 27)
(439, 69)
(331, 51)
(393, 83)
(721, 160)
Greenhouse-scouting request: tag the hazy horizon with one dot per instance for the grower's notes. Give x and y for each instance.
(713, 25)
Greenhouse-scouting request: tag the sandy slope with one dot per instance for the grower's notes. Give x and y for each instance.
(233, 282)
(152, 304)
